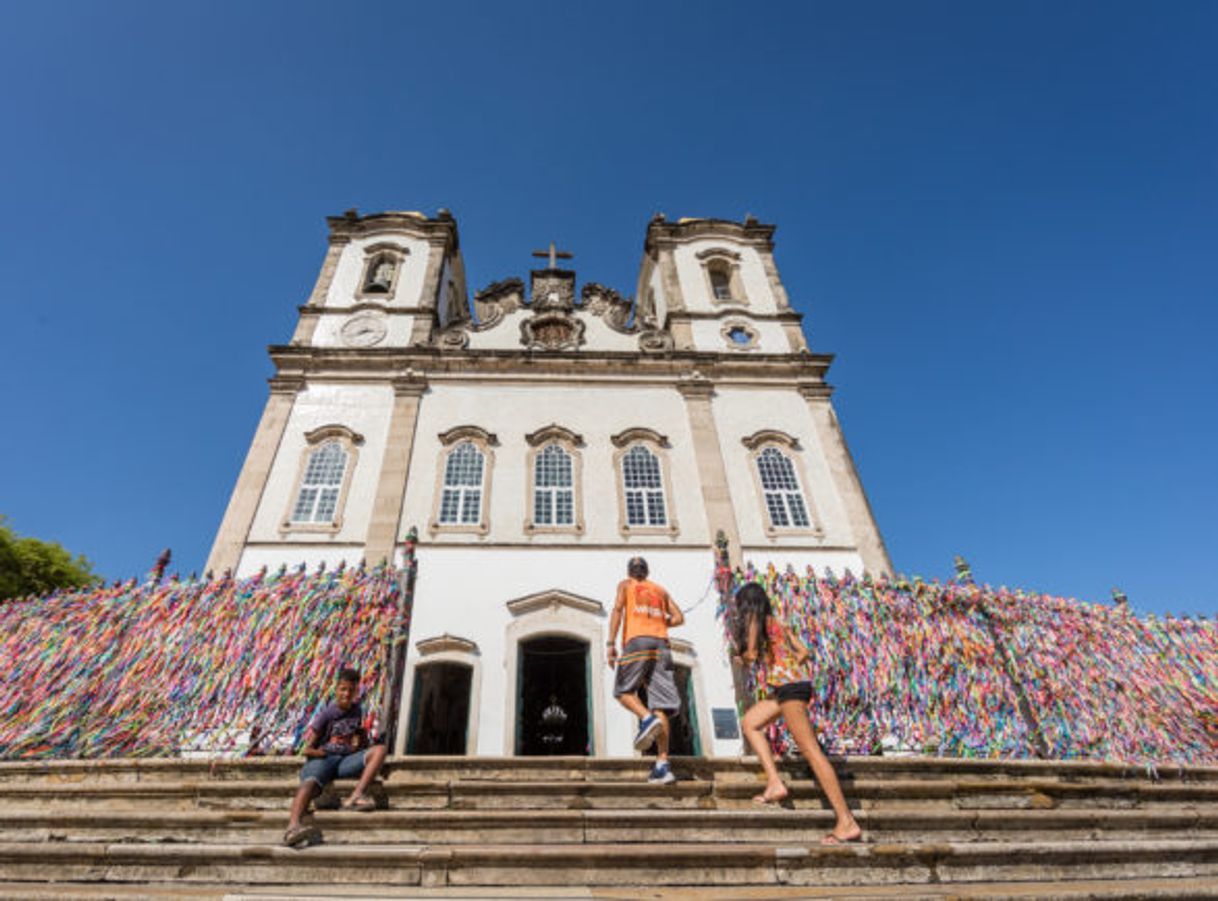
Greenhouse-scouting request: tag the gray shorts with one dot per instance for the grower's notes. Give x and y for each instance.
(648, 661)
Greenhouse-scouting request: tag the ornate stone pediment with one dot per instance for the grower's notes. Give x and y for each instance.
(610, 306)
(554, 599)
(446, 643)
(496, 301)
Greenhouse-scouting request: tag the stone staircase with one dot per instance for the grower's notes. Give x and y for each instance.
(576, 827)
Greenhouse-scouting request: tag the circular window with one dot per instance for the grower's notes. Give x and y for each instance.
(739, 335)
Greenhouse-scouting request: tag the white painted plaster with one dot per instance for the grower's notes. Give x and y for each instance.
(708, 334)
(346, 283)
(366, 410)
(696, 289)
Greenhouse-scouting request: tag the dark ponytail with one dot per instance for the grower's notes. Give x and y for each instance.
(752, 603)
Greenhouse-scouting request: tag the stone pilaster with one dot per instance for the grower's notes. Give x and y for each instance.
(251, 483)
(712, 473)
(395, 468)
(846, 479)
(425, 319)
(677, 325)
(309, 313)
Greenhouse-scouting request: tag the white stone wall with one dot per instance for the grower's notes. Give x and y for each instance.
(695, 287)
(708, 333)
(365, 409)
(742, 411)
(409, 287)
(464, 593)
(595, 413)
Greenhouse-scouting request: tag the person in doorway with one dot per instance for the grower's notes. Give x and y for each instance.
(645, 612)
(780, 661)
(336, 747)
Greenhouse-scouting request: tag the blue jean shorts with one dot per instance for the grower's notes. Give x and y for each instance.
(324, 770)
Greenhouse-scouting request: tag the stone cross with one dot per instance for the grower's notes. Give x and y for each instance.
(554, 254)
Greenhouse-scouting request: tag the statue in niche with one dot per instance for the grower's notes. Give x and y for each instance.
(381, 278)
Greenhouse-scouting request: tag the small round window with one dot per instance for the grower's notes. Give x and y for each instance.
(739, 336)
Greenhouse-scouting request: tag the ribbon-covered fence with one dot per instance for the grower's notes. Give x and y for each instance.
(207, 667)
(959, 669)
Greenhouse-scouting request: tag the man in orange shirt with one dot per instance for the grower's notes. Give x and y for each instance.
(645, 612)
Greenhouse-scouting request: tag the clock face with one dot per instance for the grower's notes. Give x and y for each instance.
(364, 330)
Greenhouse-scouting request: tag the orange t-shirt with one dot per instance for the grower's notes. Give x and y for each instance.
(646, 608)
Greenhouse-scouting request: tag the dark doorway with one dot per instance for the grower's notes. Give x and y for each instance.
(552, 699)
(439, 709)
(683, 740)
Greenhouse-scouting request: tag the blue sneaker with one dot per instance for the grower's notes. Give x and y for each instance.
(649, 728)
(661, 774)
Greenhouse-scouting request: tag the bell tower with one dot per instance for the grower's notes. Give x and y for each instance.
(388, 280)
(713, 284)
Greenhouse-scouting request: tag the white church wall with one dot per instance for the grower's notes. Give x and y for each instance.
(741, 412)
(595, 412)
(696, 288)
(771, 339)
(398, 328)
(365, 410)
(464, 593)
(350, 269)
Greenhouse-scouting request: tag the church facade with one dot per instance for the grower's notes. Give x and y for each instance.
(538, 436)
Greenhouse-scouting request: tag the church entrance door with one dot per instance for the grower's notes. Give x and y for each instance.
(553, 703)
(439, 709)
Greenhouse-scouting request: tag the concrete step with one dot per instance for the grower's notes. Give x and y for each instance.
(719, 864)
(548, 769)
(447, 827)
(1179, 889)
(488, 794)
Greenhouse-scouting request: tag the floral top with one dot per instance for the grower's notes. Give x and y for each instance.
(782, 666)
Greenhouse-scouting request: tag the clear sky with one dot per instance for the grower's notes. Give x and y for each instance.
(1003, 219)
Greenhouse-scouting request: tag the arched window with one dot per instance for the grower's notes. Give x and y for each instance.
(322, 482)
(461, 500)
(382, 266)
(553, 488)
(784, 500)
(326, 465)
(720, 279)
(643, 488)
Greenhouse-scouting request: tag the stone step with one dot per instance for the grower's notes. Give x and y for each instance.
(443, 827)
(912, 864)
(1182, 889)
(479, 794)
(1179, 889)
(548, 769)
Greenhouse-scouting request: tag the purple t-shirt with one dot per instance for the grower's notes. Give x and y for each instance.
(338, 731)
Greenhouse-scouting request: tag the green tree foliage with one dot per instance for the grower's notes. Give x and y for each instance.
(30, 566)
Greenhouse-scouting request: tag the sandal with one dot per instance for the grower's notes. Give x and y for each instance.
(299, 837)
(363, 804)
(832, 839)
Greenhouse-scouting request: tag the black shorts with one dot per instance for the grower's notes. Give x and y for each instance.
(792, 691)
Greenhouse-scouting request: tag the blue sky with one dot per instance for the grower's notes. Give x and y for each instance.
(1001, 217)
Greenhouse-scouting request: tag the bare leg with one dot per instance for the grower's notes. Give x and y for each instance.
(632, 703)
(300, 801)
(755, 719)
(372, 764)
(662, 738)
(796, 715)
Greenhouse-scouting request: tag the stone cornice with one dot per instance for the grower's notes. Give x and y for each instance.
(385, 362)
(442, 229)
(321, 433)
(410, 385)
(662, 233)
(621, 439)
(287, 384)
(736, 310)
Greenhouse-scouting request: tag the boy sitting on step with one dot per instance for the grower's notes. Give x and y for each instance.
(337, 748)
